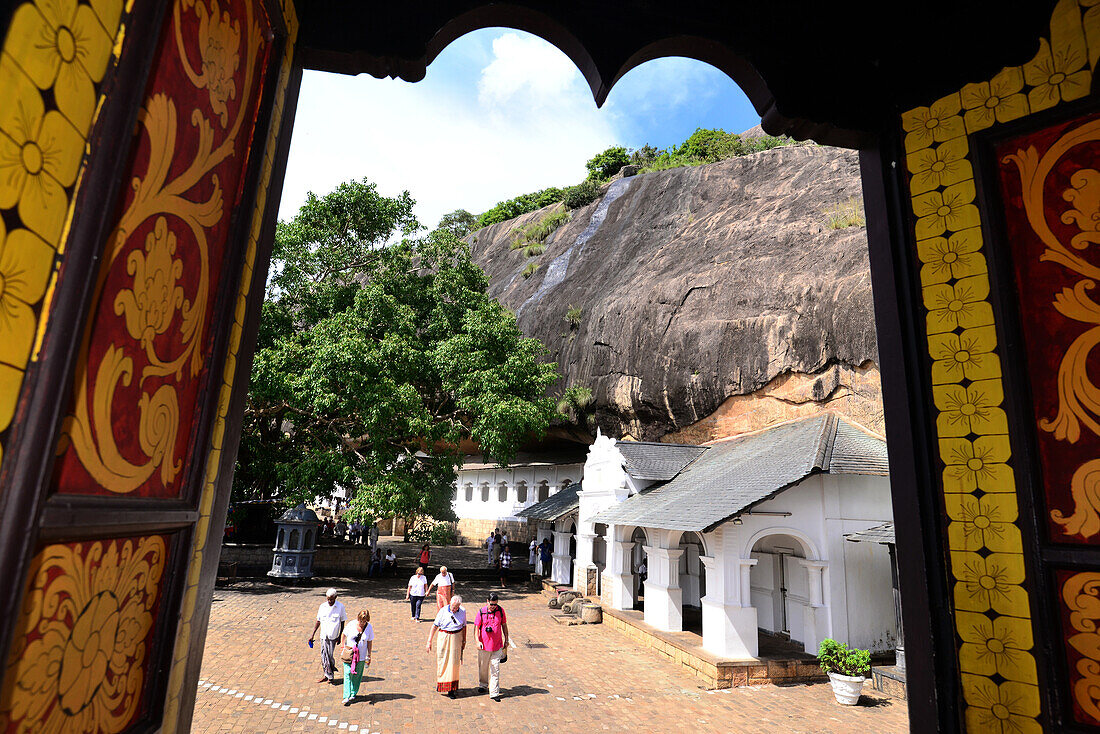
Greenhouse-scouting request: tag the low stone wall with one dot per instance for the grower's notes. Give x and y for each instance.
(254, 559)
(713, 671)
(474, 532)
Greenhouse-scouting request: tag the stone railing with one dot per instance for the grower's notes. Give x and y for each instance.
(254, 559)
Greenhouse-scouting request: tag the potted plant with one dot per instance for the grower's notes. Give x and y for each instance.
(847, 669)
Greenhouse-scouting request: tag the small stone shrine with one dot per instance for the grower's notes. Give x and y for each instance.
(295, 544)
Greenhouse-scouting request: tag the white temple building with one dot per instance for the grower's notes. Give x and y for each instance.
(488, 496)
(745, 535)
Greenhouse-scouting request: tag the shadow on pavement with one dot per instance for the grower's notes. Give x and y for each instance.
(517, 691)
(374, 698)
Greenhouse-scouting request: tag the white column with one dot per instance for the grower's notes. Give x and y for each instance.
(815, 615)
(542, 531)
(618, 576)
(585, 538)
(663, 595)
(729, 619)
(745, 565)
(560, 568)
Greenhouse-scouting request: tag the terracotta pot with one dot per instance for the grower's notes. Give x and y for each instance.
(846, 688)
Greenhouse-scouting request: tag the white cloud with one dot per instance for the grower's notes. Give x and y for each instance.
(524, 121)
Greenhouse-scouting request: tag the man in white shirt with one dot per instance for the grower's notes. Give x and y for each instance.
(489, 544)
(374, 536)
(331, 616)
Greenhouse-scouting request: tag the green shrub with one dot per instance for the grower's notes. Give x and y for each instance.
(836, 657)
(441, 533)
(848, 214)
(604, 165)
(581, 194)
(573, 316)
(529, 270)
(513, 208)
(530, 239)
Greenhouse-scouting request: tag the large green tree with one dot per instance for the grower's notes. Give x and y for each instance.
(376, 358)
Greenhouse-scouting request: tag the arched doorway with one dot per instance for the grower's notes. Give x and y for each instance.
(639, 567)
(693, 581)
(780, 591)
(572, 552)
(599, 555)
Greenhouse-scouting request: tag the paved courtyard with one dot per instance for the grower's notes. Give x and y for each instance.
(258, 675)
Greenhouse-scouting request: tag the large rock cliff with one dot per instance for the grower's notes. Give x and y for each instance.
(712, 300)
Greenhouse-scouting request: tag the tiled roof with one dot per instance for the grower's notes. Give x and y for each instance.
(554, 506)
(657, 461)
(732, 476)
(879, 534)
(527, 458)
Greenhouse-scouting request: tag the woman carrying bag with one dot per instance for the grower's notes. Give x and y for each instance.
(357, 641)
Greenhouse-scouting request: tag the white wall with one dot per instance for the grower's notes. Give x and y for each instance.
(859, 605)
(494, 509)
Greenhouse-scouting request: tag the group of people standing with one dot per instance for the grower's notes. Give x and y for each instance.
(500, 556)
(357, 532)
(448, 638)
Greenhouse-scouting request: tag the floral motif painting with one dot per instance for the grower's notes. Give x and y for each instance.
(1050, 189)
(55, 56)
(81, 651)
(142, 374)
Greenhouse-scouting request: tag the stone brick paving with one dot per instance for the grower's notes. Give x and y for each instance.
(258, 675)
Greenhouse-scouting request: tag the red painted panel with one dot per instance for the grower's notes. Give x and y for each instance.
(1050, 187)
(144, 363)
(83, 644)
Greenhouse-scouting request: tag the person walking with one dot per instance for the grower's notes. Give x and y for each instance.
(359, 641)
(505, 564)
(498, 545)
(450, 624)
(491, 631)
(546, 553)
(489, 544)
(445, 583)
(415, 593)
(374, 535)
(532, 555)
(425, 557)
(331, 616)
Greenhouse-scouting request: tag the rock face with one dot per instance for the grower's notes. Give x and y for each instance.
(701, 302)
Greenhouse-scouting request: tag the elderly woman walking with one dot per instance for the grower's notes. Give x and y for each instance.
(445, 583)
(358, 639)
(450, 624)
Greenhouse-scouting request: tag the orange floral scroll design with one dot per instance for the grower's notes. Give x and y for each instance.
(78, 661)
(1078, 396)
(1081, 596)
(155, 297)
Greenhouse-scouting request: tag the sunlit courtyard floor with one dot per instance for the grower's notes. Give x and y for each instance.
(258, 674)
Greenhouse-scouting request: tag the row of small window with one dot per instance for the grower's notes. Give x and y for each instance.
(542, 491)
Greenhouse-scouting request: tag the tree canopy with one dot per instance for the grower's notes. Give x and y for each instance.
(376, 359)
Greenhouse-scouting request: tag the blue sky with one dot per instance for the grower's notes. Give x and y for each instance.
(500, 113)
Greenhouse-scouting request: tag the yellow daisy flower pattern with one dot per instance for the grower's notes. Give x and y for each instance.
(951, 258)
(1007, 708)
(978, 464)
(967, 355)
(996, 646)
(998, 100)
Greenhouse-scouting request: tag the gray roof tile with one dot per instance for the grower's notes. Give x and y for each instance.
(879, 534)
(733, 475)
(657, 461)
(550, 509)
